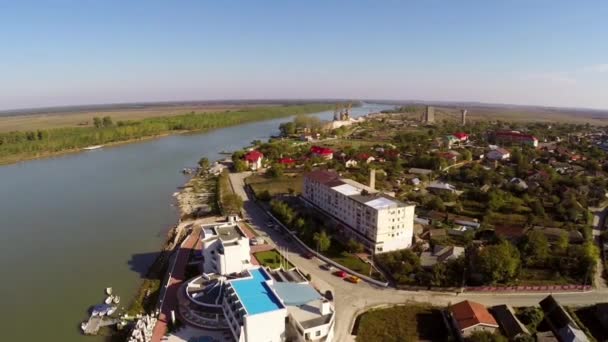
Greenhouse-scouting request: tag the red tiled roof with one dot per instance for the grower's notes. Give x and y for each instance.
(515, 134)
(322, 176)
(461, 135)
(253, 156)
(321, 150)
(468, 314)
(510, 232)
(287, 160)
(363, 156)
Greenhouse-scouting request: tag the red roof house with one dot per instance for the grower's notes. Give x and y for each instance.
(322, 152)
(461, 136)
(253, 159)
(470, 317)
(287, 161)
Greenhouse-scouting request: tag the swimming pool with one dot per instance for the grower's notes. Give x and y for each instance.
(255, 295)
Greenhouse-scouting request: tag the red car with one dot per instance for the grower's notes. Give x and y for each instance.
(341, 274)
(307, 255)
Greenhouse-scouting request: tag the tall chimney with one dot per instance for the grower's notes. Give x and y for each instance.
(463, 117)
(372, 178)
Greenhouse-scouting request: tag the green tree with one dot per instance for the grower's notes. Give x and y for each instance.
(240, 166)
(353, 246)
(485, 336)
(232, 203)
(498, 263)
(276, 171)
(536, 248)
(97, 122)
(322, 241)
(203, 163)
(561, 246)
(287, 128)
(107, 121)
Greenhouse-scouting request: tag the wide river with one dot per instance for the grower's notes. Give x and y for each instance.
(75, 224)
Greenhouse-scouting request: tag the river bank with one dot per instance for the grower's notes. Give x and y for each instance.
(28, 145)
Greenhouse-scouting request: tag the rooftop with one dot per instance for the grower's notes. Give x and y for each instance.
(224, 231)
(255, 293)
(469, 314)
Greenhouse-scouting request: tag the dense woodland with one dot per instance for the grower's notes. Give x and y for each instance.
(15, 146)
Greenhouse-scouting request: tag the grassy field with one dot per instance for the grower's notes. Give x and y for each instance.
(270, 259)
(260, 183)
(413, 322)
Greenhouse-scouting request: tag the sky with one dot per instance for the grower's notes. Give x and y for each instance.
(536, 52)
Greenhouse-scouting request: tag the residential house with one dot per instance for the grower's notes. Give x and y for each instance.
(286, 161)
(365, 158)
(469, 317)
(509, 324)
(253, 159)
(515, 137)
(519, 183)
(351, 163)
(420, 172)
(440, 254)
(510, 232)
(440, 187)
(322, 152)
(560, 322)
(461, 136)
(498, 154)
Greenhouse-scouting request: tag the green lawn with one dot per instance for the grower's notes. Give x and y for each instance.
(261, 183)
(270, 259)
(401, 323)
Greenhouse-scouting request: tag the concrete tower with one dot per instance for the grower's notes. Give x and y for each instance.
(429, 116)
(463, 117)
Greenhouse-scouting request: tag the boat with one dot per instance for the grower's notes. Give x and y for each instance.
(109, 299)
(225, 152)
(116, 300)
(94, 147)
(84, 326)
(111, 310)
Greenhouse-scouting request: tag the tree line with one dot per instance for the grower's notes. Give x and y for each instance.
(19, 145)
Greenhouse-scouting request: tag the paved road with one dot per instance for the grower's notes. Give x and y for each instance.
(352, 299)
(599, 218)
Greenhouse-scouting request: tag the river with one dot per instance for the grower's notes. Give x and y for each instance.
(75, 224)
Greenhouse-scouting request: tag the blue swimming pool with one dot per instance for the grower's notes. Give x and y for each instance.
(255, 294)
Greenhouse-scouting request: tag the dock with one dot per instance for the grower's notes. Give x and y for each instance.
(97, 322)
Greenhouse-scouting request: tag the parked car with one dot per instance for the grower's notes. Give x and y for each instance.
(353, 279)
(256, 241)
(307, 255)
(327, 267)
(341, 274)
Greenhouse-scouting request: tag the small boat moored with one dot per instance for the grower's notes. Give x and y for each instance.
(108, 291)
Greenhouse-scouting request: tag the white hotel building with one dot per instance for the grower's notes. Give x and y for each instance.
(225, 248)
(263, 306)
(379, 221)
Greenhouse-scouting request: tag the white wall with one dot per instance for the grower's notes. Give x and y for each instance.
(265, 327)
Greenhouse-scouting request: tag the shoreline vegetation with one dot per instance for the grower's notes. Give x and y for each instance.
(26, 145)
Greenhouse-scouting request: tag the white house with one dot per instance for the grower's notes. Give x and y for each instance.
(498, 154)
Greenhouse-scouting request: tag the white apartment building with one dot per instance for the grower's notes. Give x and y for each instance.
(379, 221)
(225, 248)
(258, 307)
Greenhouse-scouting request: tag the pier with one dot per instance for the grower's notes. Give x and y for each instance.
(96, 322)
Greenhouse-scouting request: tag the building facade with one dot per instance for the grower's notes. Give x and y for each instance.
(253, 159)
(515, 137)
(379, 221)
(260, 307)
(225, 248)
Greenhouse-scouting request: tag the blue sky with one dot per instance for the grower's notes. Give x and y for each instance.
(522, 52)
